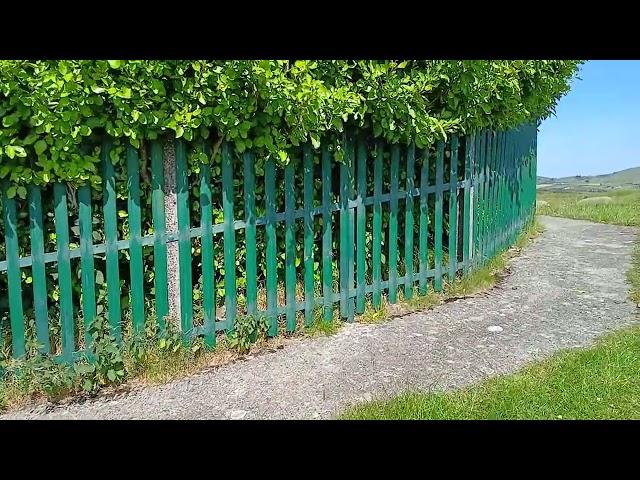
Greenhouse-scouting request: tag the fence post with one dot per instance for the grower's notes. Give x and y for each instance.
(171, 228)
(14, 282)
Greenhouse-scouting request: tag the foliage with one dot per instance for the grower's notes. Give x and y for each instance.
(105, 364)
(35, 374)
(56, 112)
(154, 356)
(245, 331)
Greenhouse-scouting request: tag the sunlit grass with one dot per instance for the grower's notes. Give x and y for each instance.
(623, 209)
(600, 382)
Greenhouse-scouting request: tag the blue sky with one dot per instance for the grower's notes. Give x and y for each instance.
(597, 124)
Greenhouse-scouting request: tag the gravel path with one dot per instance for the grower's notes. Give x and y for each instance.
(565, 289)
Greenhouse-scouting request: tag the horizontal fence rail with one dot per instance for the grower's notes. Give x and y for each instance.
(317, 238)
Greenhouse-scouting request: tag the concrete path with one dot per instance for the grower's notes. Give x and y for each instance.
(566, 288)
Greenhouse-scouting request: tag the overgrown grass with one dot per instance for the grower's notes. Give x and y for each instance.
(321, 327)
(623, 209)
(601, 382)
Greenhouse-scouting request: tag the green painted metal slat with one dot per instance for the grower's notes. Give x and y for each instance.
(351, 163)
(508, 190)
(453, 210)
(424, 222)
(136, 269)
(498, 233)
(486, 193)
(344, 236)
(208, 274)
(408, 223)
(160, 282)
(229, 237)
(496, 197)
(485, 188)
(393, 225)
(87, 262)
(467, 214)
(437, 283)
(270, 229)
(250, 233)
(64, 271)
(308, 234)
(16, 313)
(477, 195)
(492, 195)
(184, 240)
(486, 148)
(360, 231)
(327, 252)
(290, 246)
(377, 226)
(511, 180)
(501, 219)
(111, 239)
(346, 240)
(38, 272)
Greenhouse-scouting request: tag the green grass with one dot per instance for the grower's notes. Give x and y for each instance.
(601, 382)
(624, 208)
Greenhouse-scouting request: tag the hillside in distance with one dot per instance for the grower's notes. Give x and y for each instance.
(624, 179)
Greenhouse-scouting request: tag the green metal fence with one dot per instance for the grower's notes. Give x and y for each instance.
(315, 235)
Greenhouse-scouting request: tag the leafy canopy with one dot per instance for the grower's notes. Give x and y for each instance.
(55, 113)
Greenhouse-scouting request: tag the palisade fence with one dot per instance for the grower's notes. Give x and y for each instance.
(316, 238)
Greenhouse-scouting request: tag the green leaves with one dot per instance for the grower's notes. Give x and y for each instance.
(57, 108)
(40, 146)
(9, 120)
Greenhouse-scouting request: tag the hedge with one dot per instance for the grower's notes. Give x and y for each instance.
(55, 113)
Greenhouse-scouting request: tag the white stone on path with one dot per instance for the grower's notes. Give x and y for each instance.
(495, 328)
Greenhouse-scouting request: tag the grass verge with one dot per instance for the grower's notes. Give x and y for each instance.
(600, 382)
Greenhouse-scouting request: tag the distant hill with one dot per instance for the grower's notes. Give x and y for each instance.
(629, 178)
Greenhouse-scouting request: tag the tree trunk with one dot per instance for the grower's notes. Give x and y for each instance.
(171, 221)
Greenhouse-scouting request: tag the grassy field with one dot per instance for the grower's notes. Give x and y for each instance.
(601, 382)
(620, 207)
